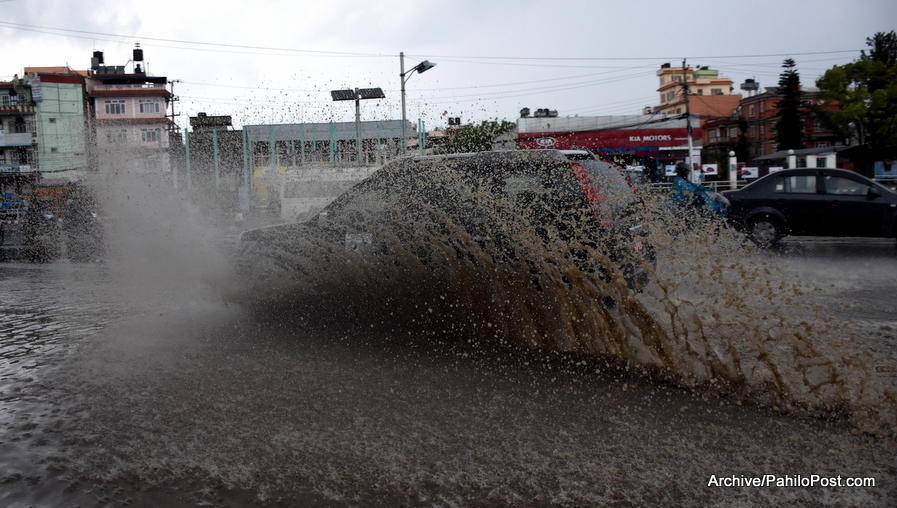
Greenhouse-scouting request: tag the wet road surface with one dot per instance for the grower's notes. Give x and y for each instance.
(141, 394)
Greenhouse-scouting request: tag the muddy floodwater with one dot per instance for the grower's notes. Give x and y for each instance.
(124, 391)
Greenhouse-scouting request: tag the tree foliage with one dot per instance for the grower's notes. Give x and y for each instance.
(883, 48)
(789, 125)
(478, 138)
(866, 91)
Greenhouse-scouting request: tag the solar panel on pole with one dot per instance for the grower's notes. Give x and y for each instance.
(343, 95)
(371, 93)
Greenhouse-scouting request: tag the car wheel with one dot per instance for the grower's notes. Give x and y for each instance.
(765, 232)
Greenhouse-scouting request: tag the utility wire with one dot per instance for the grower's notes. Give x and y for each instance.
(485, 95)
(624, 58)
(365, 54)
(199, 43)
(417, 89)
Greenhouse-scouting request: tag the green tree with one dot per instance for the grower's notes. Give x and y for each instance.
(861, 97)
(789, 125)
(883, 48)
(478, 138)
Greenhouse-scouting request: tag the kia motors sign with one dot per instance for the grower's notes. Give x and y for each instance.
(615, 139)
(659, 137)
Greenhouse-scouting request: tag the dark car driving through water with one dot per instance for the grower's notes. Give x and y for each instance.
(586, 207)
(814, 202)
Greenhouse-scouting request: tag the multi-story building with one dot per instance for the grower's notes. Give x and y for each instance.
(127, 113)
(755, 122)
(18, 137)
(60, 107)
(710, 95)
(761, 113)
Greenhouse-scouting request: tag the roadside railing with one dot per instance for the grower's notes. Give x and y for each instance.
(715, 186)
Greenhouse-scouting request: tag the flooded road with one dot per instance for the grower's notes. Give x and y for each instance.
(150, 395)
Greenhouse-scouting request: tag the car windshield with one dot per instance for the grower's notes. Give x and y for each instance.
(446, 254)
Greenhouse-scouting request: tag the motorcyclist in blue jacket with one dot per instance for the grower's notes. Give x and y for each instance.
(686, 194)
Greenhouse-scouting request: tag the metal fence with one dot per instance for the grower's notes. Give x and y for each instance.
(715, 186)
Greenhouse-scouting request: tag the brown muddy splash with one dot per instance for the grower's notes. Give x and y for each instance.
(717, 313)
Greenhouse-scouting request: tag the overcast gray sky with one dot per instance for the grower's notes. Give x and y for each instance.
(594, 57)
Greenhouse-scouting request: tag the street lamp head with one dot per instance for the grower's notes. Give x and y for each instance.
(425, 66)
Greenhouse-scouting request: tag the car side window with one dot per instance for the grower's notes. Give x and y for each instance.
(841, 186)
(797, 184)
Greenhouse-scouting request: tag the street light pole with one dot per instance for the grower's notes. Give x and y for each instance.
(691, 167)
(402, 76)
(421, 67)
(357, 127)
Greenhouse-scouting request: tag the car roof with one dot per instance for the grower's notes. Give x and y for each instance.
(494, 155)
(796, 170)
(805, 171)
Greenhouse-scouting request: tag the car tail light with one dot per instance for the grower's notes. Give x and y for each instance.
(596, 199)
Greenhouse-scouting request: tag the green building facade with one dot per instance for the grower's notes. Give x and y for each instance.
(61, 125)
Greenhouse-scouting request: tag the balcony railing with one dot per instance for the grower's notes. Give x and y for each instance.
(16, 138)
(17, 108)
(16, 168)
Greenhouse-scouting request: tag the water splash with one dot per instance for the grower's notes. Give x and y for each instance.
(718, 312)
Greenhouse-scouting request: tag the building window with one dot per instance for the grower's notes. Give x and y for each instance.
(716, 91)
(751, 110)
(151, 135)
(762, 106)
(762, 129)
(8, 100)
(52, 120)
(115, 107)
(148, 105)
(700, 91)
(677, 79)
(116, 136)
(752, 131)
(53, 149)
(733, 132)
